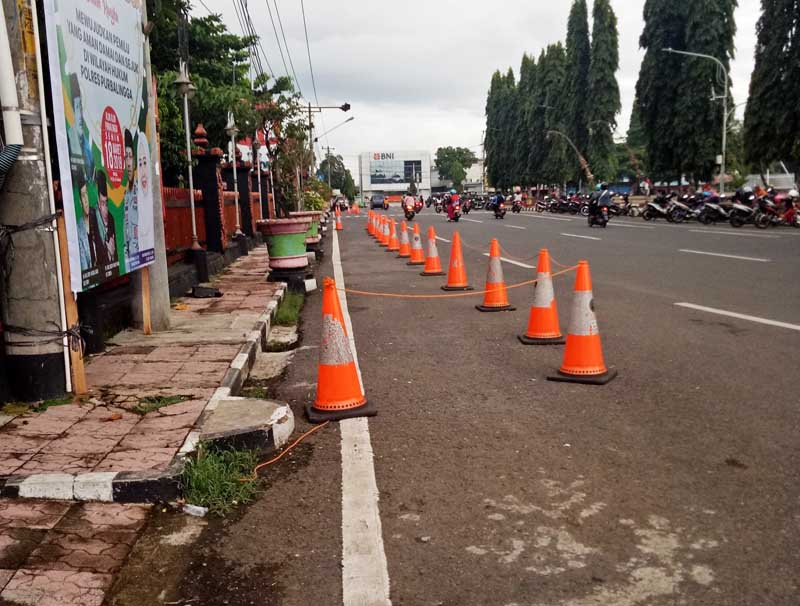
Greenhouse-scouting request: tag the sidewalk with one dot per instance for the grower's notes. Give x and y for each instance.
(125, 442)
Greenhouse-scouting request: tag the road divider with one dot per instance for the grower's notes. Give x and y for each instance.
(712, 254)
(733, 314)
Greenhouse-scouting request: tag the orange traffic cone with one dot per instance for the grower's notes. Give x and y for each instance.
(405, 244)
(394, 244)
(338, 220)
(433, 265)
(543, 328)
(417, 256)
(385, 232)
(375, 225)
(357, 209)
(369, 223)
(339, 391)
(496, 297)
(583, 355)
(457, 273)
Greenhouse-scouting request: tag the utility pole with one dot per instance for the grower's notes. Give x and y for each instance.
(32, 310)
(328, 158)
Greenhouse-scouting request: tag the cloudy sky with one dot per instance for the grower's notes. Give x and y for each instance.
(417, 72)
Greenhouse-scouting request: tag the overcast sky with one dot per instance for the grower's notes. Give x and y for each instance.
(417, 72)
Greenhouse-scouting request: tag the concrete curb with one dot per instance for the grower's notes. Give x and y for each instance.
(161, 485)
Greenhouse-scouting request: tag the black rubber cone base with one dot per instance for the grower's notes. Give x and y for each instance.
(402, 257)
(584, 379)
(416, 263)
(320, 416)
(552, 341)
(435, 273)
(457, 288)
(491, 309)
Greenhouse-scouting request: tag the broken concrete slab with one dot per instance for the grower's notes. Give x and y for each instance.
(248, 424)
(282, 338)
(270, 366)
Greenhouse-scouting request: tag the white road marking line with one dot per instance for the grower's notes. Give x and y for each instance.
(584, 237)
(733, 314)
(541, 216)
(514, 227)
(517, 263)
(443, 239)
(711, 254)
(470, 220)
(731, 233)
(365, 572)
(617, 224)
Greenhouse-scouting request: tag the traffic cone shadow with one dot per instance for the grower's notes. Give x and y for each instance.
(543, 327)
(583, 356)
(339, 392)
(457, 272)
(496, 297)
(405, 244)
(433, 264)
(417, 256)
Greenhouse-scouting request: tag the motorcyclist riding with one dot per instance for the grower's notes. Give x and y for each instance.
(451, 202)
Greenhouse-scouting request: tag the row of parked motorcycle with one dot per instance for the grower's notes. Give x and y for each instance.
(743, 207)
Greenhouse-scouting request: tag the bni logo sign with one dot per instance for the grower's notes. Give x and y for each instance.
(377, 156)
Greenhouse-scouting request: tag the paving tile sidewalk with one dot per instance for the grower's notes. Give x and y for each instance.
(55, 553)
(124, 432)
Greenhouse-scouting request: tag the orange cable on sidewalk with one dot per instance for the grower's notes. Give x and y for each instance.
(285, 451)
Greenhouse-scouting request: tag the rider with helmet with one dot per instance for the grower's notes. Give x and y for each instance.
(451, 202)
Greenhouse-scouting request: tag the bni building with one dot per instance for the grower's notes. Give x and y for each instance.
(391, 172)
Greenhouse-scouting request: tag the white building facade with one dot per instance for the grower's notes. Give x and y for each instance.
(391, 172)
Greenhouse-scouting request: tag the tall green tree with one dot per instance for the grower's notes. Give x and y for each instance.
(656, 97)
(526, 99)
(556, 164)
(771, 123)
(452, 164)
(710, 30)
(493, 138)
(576, 80)
(604, 101)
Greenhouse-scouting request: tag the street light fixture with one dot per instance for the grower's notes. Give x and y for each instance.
(186, 90)
(350, 119)
(584, 163)
(231, 130)
(724, 107)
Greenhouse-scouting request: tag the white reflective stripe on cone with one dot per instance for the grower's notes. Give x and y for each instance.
(543, 294)
(403, 236)
(583, 322)
(495, 275)
(334, 350)
(432, 250)
(417, 244)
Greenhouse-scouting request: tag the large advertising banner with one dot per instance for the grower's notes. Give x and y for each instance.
(101, 109)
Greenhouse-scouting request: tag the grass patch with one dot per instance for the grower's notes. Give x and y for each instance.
(14, 409)
(153, 403)
(255, 391)
(220, 480)
(55, 402)
(289, 309)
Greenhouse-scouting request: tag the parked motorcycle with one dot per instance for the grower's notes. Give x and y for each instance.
(438, 206)
(658, 208)
(516, 207)
(541, 205)
(713, 212)
(743, 210)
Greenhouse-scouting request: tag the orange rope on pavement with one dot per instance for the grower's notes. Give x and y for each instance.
(285, 451)
(473, 293)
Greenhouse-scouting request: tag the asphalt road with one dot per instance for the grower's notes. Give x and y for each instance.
(677, 483)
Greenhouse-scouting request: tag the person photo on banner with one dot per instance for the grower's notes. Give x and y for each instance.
(80, 146)
(145, 199)
(82, 222)
(131, 205)
(104, 229)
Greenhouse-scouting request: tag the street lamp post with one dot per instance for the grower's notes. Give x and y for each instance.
(257, 158)
(232, 131)
(186, 89)
(584, 163)
(724, 107)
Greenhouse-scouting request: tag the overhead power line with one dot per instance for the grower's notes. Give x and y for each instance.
(278, 40)
(286, 44)
(311, 66)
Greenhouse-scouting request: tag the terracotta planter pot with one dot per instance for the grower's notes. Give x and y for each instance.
(286, 242)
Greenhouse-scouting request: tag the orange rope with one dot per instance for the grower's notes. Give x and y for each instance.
(448, 296)
(285, 451)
